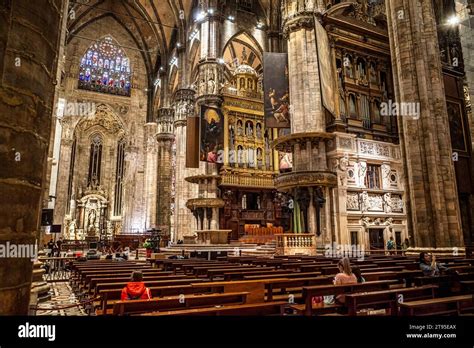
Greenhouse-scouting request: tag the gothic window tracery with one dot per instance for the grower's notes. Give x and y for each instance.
(105, 68)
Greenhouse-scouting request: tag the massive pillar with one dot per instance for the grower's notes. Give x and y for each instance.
(183, 217)
(310, 182)
(426, 146)
(210, 81)
(29, 45)
(151, 167)
(165, 139)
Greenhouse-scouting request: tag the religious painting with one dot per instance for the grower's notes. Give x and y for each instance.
(212, 135)
(456, 127)
(276, 86)
(285, 158)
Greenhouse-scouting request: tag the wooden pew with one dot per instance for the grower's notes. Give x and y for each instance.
(387, 299)
(325, 290)
(405, 276)
(283, 275)
(178, 302)
(109, 296)
(452, 305)
(248, 309)
(91, 280)
(204, 270)
(150, 284)
(96, 286)
(294, 285)
(467, 286)
(219, 272)
(239, 275)
(82, 279)
(255, 288)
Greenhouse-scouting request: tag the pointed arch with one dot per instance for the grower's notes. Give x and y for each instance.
(105, 119)
(233, 51)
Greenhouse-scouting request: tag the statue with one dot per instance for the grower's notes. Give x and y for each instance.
(365, 221)
(244, 56)
(387, 200)
(202, 85)
(249, 129)
(240, 129)
(72, 229)
(362, 171)
(341, 167)
(259, 130)
(211, 84)
(364, 201)
(91, 218)
(110, 229)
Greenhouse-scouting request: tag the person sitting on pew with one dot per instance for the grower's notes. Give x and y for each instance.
(136, 289)
(358, 274)
(345, 276)
(429, 266)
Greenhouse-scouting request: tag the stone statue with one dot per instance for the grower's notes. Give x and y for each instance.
(387, 200)
(72, 229)
(249, 130)
(386, 175)
(240, 129)
(341, 168)
(259, 130)
(202, 85)
(110, 229)
(365, 221)
(362, 171)
(364, 201)
(211, 84)
(91, 217)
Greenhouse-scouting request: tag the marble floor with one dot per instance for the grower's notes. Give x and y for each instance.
(61, 295)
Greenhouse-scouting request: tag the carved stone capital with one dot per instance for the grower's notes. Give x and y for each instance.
(303, 20)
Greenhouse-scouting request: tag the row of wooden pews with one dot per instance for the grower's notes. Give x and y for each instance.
(275, 286)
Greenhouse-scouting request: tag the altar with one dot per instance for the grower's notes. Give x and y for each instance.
(213, 236)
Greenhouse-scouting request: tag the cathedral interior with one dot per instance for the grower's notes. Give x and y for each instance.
(245, 127)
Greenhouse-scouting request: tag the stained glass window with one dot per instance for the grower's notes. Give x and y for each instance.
(105, 68)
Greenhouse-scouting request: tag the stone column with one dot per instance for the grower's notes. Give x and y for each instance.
(184, 108)
(311, 213)
(209, 83)
(165, 139)
(308, 121)
(425, 142)
(215, 219)
(205, 220)
(28, 62)
(303, 68)
(151, 172)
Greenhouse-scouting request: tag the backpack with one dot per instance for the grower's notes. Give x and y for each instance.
(390, 244)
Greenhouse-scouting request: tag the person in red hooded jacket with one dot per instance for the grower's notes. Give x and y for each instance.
(136, 289)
